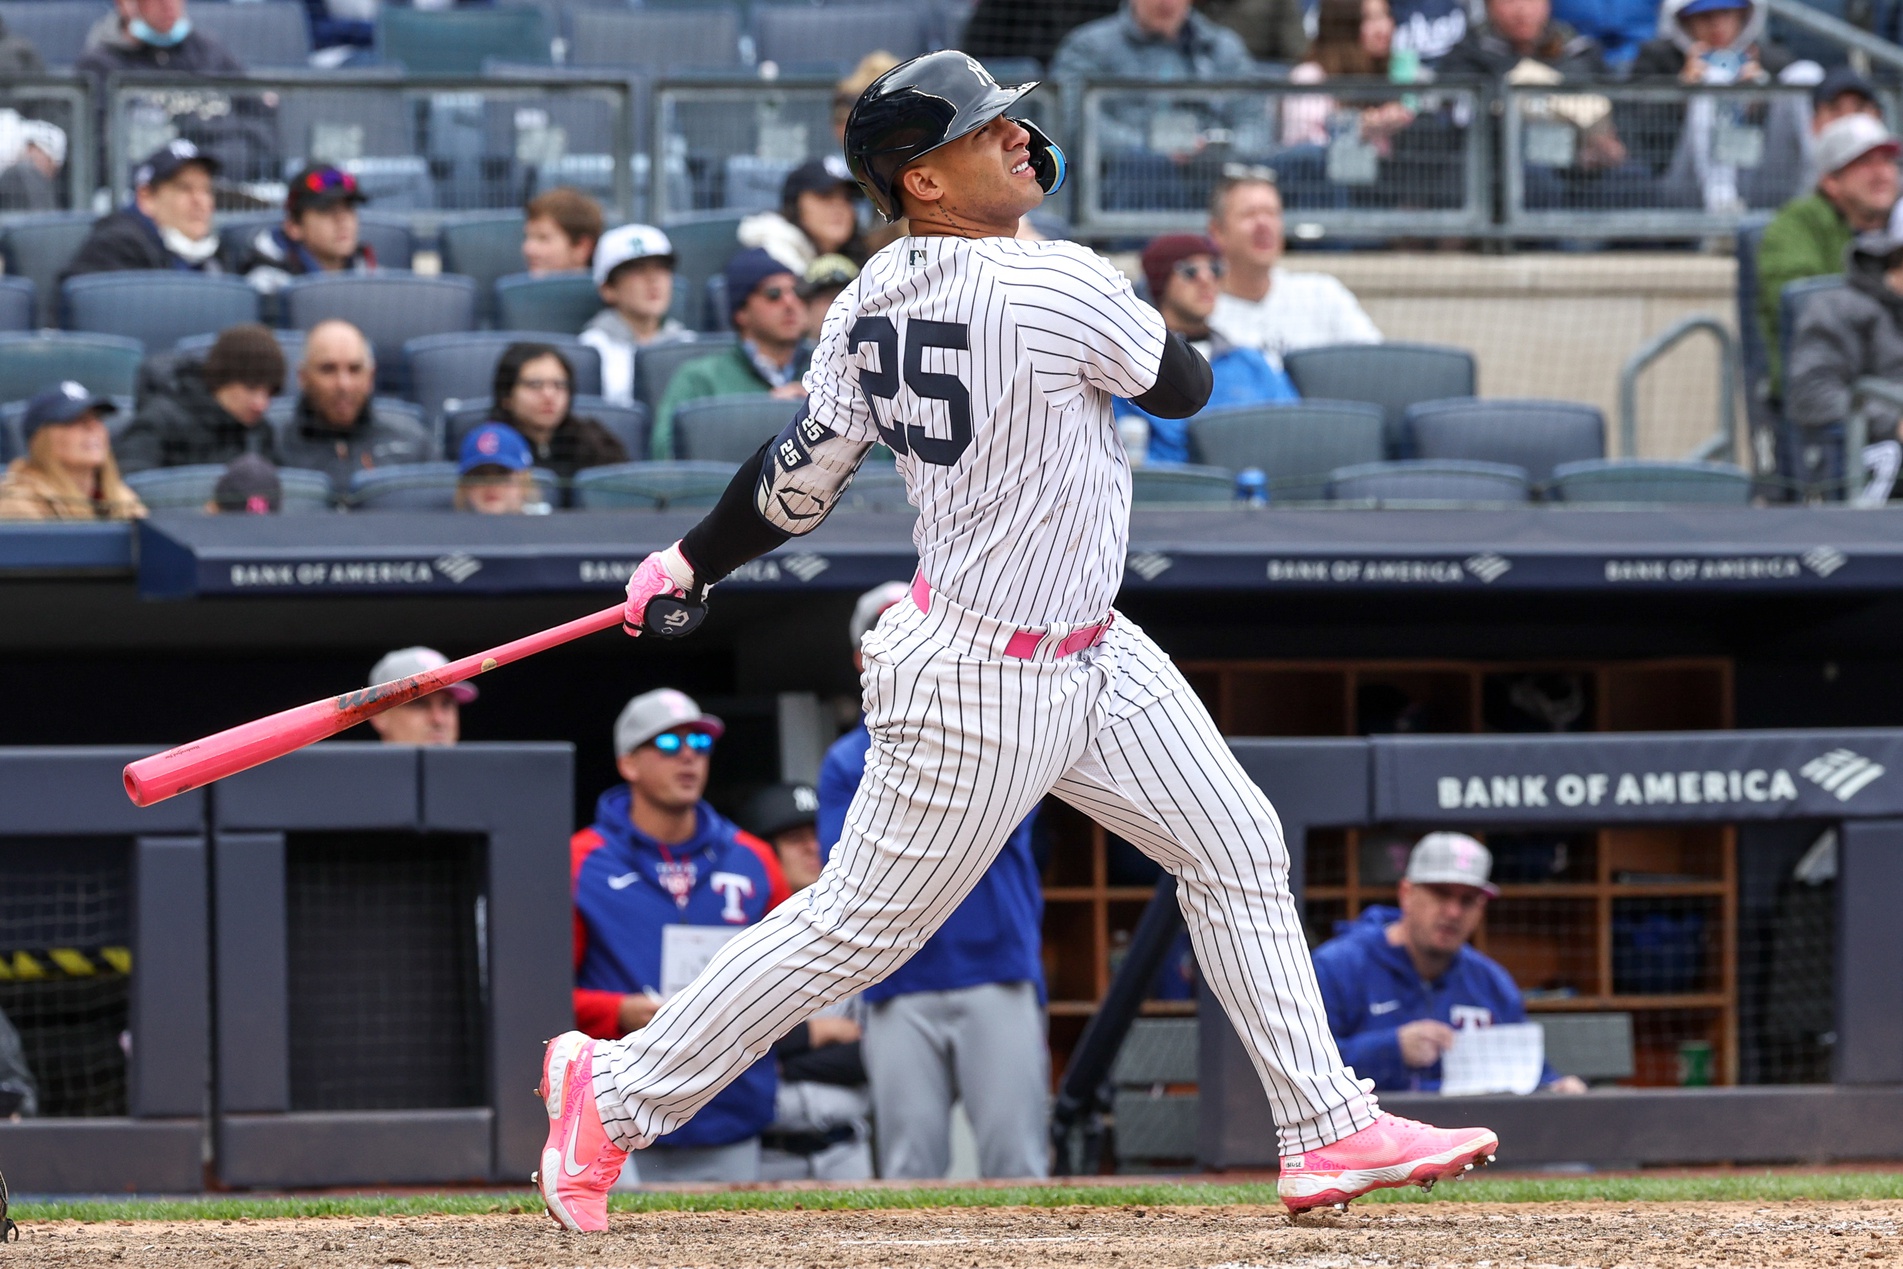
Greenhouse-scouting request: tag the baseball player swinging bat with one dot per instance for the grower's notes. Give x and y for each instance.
(191, 766)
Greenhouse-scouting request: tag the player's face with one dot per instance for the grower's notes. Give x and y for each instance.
(984, 177)
(1439, 919)
(798, 849)
(669, 781)
(433, 720)
(1250, 227)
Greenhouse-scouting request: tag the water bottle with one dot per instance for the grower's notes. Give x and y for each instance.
(1133, 430)
(1252, 487)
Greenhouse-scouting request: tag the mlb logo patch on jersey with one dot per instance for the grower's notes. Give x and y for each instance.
(915, 257)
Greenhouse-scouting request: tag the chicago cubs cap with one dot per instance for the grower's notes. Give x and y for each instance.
(1844, 141)
(624, 244)
(865, 613)
(663, 709)
(495, 445)
(418, 660)
(1451, 859)
(63, 403)
(162, 165)
(779, 807)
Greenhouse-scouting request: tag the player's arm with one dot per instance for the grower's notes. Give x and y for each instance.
(1183, 382)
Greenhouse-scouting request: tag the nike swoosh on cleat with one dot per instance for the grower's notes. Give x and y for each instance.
(569, 1166)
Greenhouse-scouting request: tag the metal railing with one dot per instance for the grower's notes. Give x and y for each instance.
(1722, 443)
(45, 181)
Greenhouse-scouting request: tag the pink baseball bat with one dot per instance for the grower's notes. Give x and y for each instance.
(240, 748)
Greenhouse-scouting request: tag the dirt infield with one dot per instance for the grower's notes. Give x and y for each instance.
(1467, 1234)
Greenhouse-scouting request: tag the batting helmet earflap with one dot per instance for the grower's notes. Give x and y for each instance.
(922, 104)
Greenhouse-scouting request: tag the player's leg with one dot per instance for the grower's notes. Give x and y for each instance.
(908, 1067)
(1004, 1074)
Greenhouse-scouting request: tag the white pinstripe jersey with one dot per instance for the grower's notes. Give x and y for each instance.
(987, 365)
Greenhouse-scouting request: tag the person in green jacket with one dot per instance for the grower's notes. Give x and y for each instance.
(770, 318)
(1855, 194)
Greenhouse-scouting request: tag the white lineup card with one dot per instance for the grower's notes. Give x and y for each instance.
(1502, 1059)
(685, 951)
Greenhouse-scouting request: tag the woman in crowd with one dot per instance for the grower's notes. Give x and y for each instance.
(533, 393)
(818, 216)
(1352, 38)
(68, 472)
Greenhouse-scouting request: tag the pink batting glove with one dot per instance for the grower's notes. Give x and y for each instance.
(662, 573)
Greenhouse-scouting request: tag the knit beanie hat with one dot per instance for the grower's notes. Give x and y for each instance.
(245, 354)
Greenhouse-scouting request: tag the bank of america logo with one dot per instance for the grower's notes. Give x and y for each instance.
(805, 567)
(1824, 560)
(1488, 567)
(1841, 772)
(1149, 565)
(458, 568)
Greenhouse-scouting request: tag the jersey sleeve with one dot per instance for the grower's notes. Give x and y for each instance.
(833, 397)
(1073, 309)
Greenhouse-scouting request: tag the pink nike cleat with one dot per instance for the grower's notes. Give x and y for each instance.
(580, 1161)
(1391, 1151)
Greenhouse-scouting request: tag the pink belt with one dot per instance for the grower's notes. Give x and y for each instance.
(1023, 644)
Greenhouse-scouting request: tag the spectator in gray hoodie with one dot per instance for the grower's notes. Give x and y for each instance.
(1844, 335)
(1162, 40)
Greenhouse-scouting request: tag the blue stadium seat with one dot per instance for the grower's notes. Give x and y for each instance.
(564, 302)
(57, 28)
(702, 247)
(266, 35)
(834, 37)
(104, 363)
(651, 485)
(462, 366)
(654, 367)
(19, 303)
(700, 37)
(1392, 376)
(390, 237)
(190, 488)
(483, 248)
(728, 429)
(389, 307)
(39, 247)
(422, 487)
(1644, 480)
(290, 342)
(1425, 481)
(629, 423)
(458, 41)
(157, 307)
(1164, 483)
(1296, 444)
(1534, 435)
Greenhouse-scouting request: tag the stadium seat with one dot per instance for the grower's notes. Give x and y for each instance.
(190, 488)
(390, 237)
(457, 41)
(1535, 435)
(39, 247)
(423, 487)
(268, 35)
(389, 307)
(729, 429)
(157, 307)
(702, 247)
(700, 37)
(57, 28)
(629, 423)
(1392, 376)
(622, 485)
(1296, 444)
(483, 248)
(655, 367)
(103, 363)
(557, 301)
(291, 342)
(1159, 483)
(1430, 481)
(1644, 480)
(462, 366)
(19, 304)
(833, 37)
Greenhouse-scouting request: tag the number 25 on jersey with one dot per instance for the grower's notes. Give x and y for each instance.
(883, 385)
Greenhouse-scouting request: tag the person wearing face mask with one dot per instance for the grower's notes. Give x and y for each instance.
(68, 472)
(168, 224)
(154, 35)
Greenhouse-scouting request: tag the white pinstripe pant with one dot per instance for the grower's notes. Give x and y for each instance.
(964, 743)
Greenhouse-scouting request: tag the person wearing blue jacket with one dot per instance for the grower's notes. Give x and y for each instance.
(661, 880)
(1184, 272)
(1398, 982)
(963, 1019)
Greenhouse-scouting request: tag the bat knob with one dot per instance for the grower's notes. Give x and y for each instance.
(670, 618)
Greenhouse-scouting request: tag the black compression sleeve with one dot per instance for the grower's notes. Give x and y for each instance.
(1183, 382)
(733, 532)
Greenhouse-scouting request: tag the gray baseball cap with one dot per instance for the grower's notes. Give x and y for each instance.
(1451, 859)
(418, 660)
(663, 709)
(865, 613)
(1844, 141)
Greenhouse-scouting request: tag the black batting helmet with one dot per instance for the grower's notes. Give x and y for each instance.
(920, 105)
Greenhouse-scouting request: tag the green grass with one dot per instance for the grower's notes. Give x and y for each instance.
(1732, 1186)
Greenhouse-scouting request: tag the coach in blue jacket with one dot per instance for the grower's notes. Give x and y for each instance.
(963, 1019)
(1398, 981)
(661, 881)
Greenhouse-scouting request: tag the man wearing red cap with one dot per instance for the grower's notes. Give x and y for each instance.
(1185, 274)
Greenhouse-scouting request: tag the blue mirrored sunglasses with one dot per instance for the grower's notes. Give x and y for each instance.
(670, 742)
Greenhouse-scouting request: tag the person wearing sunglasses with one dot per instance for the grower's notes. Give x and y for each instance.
(661, 881)
(770, 356)
(320, 233)
(1185, 272)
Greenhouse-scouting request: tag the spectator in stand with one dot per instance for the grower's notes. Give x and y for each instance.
(1427, 30)
(634, 272)
(154, 35)
(1263, 305)
(1619, 27)
(661, 881)
(1353, 39)
(1012, 28)
(820, 1130)
(168, 225)
(1400, 983)
(824, 279)
(18, 57)
(1842, 336)
(534, 392)
(1273, 30)
(818, 215)
(338, 428)
(1517, 32)
(211, 410)
(250, 486)
(847, 91)
(68, 472)
(1184, 272)
(494, 475)
(1856, 194)
(964, 1017)
(320, 233)
(1842, 92)
(31, 181)
(1161, 40)
(559, 231)
(770, 357)
(432, 720)
(1712, 42)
